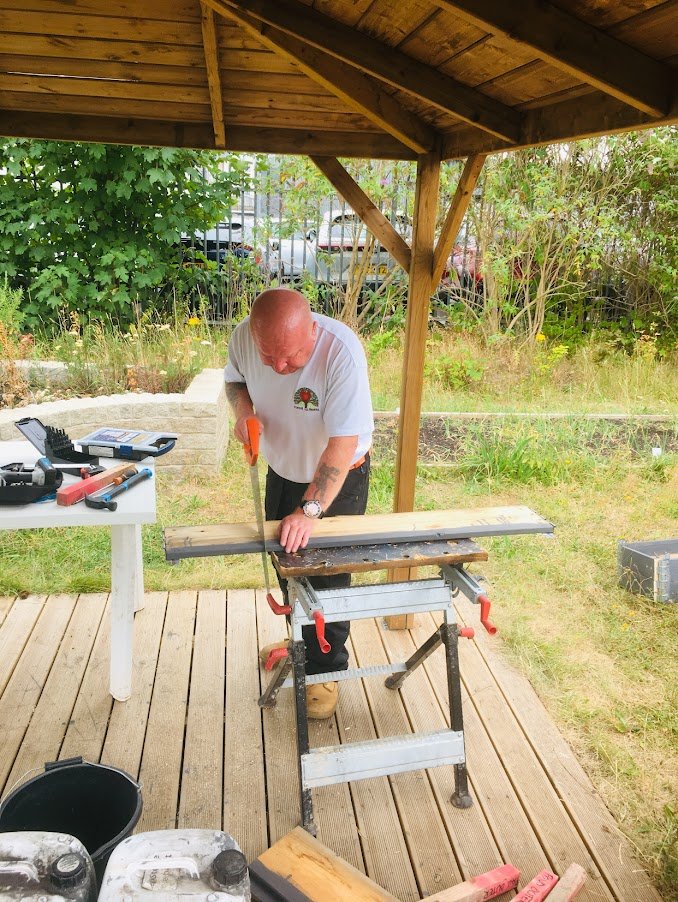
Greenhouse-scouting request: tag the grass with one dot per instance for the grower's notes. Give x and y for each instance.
(602, 660)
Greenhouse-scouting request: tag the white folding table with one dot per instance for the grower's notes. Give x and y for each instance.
(127, 572)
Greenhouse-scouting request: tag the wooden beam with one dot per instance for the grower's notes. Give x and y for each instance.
(211, 48)
(569, 120)
(455, 215)
(370, 214)
(386, 63)
(372, 529)
(358, 91)
(576, 47)
(416, 329)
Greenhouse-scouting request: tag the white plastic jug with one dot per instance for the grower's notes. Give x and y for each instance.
(164, 865)
(39, 865)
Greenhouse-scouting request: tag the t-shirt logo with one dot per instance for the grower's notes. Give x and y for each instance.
(305, 399)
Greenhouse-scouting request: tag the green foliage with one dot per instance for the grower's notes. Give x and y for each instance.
(455, 374)
(96, 228)
(11, 315)
(495, 457)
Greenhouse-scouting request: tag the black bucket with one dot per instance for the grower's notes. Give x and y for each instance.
(97, 804)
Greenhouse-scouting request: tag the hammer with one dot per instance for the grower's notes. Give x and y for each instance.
(103, 501)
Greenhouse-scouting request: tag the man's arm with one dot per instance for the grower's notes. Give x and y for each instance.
(242, 407)
(334, 463)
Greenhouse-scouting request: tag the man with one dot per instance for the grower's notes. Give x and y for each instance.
(304, 376)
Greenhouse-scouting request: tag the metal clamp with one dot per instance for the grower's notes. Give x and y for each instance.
(458, 578)
(313, 609)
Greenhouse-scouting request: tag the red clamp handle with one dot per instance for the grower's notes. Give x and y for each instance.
(277, 608)
(325, 646)
(467, 632)
(274, 655)
(485, 614)
(253, 427)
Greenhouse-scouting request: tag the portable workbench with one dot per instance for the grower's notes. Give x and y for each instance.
(337, 764)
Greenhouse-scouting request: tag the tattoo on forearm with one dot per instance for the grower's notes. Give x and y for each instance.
(324, 477)
(236, 394)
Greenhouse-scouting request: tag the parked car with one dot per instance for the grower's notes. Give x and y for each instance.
(341, 242)
(240, 236)
(290, 259)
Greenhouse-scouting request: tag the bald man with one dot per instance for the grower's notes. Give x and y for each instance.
(304, 376)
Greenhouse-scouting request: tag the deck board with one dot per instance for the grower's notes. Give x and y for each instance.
(208, 756)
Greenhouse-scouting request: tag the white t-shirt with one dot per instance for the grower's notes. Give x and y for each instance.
(300, 412)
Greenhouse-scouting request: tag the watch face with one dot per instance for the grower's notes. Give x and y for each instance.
(312, 508)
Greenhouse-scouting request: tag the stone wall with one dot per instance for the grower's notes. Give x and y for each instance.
(199, 416)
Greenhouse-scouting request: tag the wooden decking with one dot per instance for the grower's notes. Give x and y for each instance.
(207, 756)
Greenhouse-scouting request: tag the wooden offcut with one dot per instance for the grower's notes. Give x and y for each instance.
(318, 873)
(334, 532)
(481, 888)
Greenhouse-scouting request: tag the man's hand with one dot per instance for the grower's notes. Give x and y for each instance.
(240, 428)
(295, 530)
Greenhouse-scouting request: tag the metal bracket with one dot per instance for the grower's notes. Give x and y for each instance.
(459, 579)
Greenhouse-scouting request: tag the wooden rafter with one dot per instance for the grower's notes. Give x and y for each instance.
(576, 47)
(386, 63)
(358, 91)
(370, 214)
(211, 47)
(455, 214)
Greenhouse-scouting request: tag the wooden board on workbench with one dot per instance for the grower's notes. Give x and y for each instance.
(364, 558)
(373, 529)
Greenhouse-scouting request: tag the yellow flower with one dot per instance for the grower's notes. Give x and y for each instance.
(194, 321)
(541, 336)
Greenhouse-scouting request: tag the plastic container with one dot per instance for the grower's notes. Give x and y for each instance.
(40, 866)
(95, 803)
(165, 865)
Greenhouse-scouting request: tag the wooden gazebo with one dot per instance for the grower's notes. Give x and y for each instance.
(426, 80)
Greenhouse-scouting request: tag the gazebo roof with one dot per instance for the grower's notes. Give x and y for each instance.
(363, 78)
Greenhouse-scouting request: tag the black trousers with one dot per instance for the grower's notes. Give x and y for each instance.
(282, 497)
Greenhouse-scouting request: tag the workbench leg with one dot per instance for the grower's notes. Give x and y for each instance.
(396, 680)
(299, 670)
(125, 582)
(448, 632)
(138, 570)
(269, 697)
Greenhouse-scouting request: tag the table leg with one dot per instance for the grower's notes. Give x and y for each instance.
(138, 570)
(126, 585)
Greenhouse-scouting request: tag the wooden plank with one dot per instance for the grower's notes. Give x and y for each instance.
(613, 853)
(455, 215)
(45, 733)
(315, 870)
(177, 10)
(102, 27)
(580, 49)
(200, 541)
(88, 723)
(127, 727)
(66, 104)
(375, 58)
(22, 692)
(368, 558)
(43, 43)
(409, 851)
(479, 889)
(244, 787)
(110, 69)
(420, 808)
(543, 805)
(15, 632)
(6, 602)
(163, 745)
(490, 784)
(211, 47)
(368, 212)
(280, 747)
(58, 86)
(201, 801)
(358, 91)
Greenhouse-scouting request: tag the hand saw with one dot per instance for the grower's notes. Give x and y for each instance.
(253, 427)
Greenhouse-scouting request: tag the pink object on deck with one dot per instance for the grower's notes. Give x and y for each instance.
(538, 888)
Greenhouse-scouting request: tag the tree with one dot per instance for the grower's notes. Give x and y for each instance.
(96, 228)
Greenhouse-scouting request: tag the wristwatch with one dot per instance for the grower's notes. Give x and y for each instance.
(312, 508)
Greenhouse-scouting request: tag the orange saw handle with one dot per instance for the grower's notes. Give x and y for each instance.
(251, 446)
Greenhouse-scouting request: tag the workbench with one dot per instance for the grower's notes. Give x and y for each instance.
(127, 573)
(357, 761)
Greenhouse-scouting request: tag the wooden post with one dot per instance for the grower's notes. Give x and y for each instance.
(418, 300)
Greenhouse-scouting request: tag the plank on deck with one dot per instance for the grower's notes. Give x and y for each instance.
(207, 756)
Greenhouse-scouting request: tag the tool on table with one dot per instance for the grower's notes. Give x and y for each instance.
(252, 456)
(51, 442)
(128, 444)
(71, 494)
(20, 484)
(104, 500)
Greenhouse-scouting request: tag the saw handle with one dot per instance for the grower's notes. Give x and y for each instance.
(251, 446)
